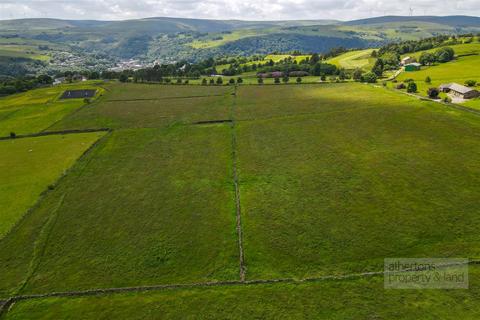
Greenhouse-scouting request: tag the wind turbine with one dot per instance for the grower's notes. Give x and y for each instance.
(411, 11)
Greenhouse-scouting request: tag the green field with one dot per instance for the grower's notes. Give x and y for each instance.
(28, 166)
(466, 66)
(335, 300)
(22, 51)
(150, 106)
(36, 110)
(351, 162)
(354, 59)
(332, 179)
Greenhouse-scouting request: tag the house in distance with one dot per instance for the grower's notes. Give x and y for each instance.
(459, 91)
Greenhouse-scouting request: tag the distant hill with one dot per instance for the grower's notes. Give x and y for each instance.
(448, 20)
(80, 43)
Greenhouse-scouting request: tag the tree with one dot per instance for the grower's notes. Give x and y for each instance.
(378, 67)
(204, 82)
(433, 93)
(219, 81)
(428, 80)
(44, 79)
(369, 77)
(470, 83)
(13, 135)
(444, 54)
(212, 82)
(427, 58)
(285, 79)
(411, 87)
(231, 81)
(299, 80)
(277, 80)
(357, 74)
(323, 77)
(317, 69)
(314, 58)
(179, 81)
(260, 80)
(374, 54)
(123, 78)
(239, 80)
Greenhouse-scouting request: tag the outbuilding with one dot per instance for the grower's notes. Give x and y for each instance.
(413, 66)
(459, 91)
(407, 60)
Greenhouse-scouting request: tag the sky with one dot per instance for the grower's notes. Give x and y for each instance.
(232, 9)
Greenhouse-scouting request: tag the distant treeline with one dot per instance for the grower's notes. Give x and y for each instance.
(23, 84)
(425, 44)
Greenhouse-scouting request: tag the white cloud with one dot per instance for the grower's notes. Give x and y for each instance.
(231, 9)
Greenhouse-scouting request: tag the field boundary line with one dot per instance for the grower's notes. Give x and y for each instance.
(5, 304)
(39, 245)
(238, 208)
(52, 133)
(166, 98)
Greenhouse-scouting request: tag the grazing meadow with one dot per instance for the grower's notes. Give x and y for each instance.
(194, 185)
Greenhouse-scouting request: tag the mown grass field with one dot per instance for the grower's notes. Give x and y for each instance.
(36, 110)
(333, 178)
(354, 59)
(28, 166)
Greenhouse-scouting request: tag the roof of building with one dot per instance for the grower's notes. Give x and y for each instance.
(457, 88)
(406, 58)
(415, 64)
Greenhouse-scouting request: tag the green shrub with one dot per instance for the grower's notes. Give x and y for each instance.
(412, 87)
(369, 77)
(433, 93)
(471, 83)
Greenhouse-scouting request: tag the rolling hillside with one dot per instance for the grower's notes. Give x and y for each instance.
(102, 43)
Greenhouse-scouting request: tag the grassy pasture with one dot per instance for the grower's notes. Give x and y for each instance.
(36, 110)
(349, 299)
(354, 59)
(22, 51)
(339, 189)
(333, 179)
(146, 206)
(163, 105)
(28, 166)
(225, 38)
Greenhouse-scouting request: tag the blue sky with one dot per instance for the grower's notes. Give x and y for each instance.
(232, 9)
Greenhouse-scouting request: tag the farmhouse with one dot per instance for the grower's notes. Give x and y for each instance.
(415, 66)
(407, 60)
(459, 91)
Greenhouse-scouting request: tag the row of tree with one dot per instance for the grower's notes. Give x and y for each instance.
(12, 86)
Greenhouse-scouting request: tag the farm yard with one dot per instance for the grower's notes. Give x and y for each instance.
(217, 195)
(466, 66)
